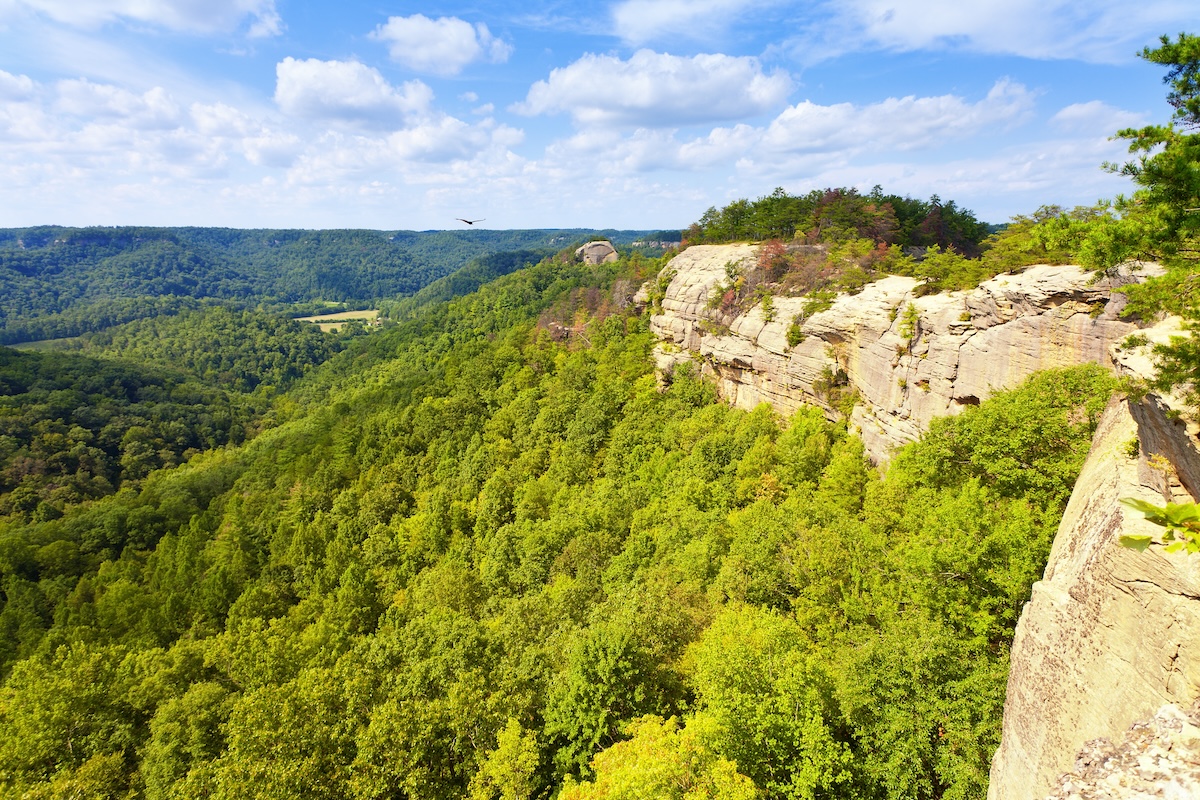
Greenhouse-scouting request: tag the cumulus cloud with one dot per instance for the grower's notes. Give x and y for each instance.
(802, 137)
(906, 123)
(1095, 117)
(647, 150)
(657, 90)
(153, 109)
(345, 90)
(439, 140)
(272, 148)
(1098, 31)
(442, 46)
(189, 16)
(15, 87)
(95, 152)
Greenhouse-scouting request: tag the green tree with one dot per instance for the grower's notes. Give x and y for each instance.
(662, 761)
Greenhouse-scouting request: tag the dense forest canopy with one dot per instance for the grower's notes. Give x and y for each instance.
(480, 552)
(835, 215)
(485, 554)
(57, 282)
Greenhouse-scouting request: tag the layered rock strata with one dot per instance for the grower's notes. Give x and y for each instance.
(909, 358)
(1110, 634)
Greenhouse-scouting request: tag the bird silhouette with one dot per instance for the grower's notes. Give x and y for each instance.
(468, 221)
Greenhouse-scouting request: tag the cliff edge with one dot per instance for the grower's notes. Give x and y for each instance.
(1110, 634)
(909, 358)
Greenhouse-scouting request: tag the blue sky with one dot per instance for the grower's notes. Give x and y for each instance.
(549, 113)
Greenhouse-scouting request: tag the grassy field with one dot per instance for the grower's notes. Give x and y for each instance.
(332, 322)
(46, 344)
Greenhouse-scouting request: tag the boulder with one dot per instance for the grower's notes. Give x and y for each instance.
(597, 253)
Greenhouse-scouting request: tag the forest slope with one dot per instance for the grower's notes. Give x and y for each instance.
(58, 282)
(484, 554)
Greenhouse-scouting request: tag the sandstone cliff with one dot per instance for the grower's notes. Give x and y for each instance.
(1110, 634)
(962, 347)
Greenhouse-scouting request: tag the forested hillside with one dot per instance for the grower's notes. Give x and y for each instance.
(481, 552)
(58, 282)
(139, 397)
(480, 556)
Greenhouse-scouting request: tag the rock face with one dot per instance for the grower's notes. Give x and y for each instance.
(909, 358)
(1159, 758)
(1110, 634)
(597, 253)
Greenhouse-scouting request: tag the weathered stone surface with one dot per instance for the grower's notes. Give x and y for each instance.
(963, 347)
(1158, 758)
(1110, 635)
(597, 253)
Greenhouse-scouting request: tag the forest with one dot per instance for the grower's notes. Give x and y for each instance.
(481, 553)
(59, 282)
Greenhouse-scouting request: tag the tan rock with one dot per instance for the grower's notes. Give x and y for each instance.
(964, 346)
(1156, 758)
(1110, 634)
(597, 252)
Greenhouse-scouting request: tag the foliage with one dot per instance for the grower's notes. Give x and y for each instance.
(1158, 221)
(909, 322)
(795, 331)
(834, 216)
(1181, 520)
(237, 350)
(57, 282)
(469, 556)
(661, 761)
(74, 428)
(480, 553)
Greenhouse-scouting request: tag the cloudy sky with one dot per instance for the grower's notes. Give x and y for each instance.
(558, 113)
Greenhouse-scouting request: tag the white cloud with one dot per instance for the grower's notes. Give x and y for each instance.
(85, 152)
(605, 150)
(642, 21)
(803, 137)
(15, 87)
(442, 140)
(657, 90)
(1098, 30)
(189, 16)
(1095, 117)
(150, 110)
(442, 46)
(906, 123)
(272, 149)
(1012, 180)
(345, 90)
(219, 119)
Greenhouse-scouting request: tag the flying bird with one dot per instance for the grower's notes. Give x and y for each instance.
(468, 221)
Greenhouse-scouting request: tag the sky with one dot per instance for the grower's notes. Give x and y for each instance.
(632, 114)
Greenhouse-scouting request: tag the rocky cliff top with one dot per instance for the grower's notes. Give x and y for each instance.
(909, 358)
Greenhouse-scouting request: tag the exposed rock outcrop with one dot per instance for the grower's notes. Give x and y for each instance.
(1156, 759)
(951, 350)
(1110, 634)
(597, 253)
